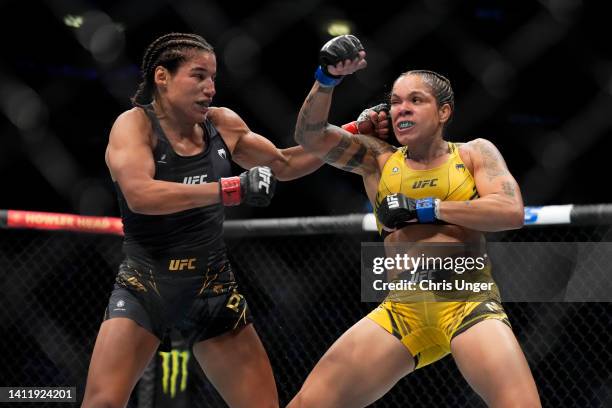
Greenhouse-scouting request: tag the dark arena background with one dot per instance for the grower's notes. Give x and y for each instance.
(534, 77)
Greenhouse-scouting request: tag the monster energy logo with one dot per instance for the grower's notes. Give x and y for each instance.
(170, 374)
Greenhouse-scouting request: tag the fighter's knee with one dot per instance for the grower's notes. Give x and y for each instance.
(525, 402)
(101, 404)
(101, 401)
(516, 400)
(305, 399)
(296, 402)
(271, 403)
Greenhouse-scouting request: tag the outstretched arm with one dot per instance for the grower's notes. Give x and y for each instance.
(130, 160)
(129, 157)
(500, 206)
(251, 149)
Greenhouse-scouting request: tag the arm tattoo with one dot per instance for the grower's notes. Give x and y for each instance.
(336, 152)
(492, 161)
(366, 145)
(316, 135)
(315, 127)
(376, 146)
(356, 160)
(508, 188)
(303, 126)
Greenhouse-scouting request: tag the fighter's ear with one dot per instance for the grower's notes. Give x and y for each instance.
(161, 76)
(445, 113)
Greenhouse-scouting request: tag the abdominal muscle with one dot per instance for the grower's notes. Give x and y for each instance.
(435, 233)
(434, 246)
(407, 240)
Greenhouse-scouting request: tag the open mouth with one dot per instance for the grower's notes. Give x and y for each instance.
(405, 124)
(203, 104)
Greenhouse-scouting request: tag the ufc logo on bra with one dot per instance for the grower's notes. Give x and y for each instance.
(425, 183)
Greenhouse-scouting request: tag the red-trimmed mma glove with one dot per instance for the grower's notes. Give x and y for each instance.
(397, 210)
(253, 187)
(372, 121)
(334, 51)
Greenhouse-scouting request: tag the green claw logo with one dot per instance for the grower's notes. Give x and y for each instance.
(170, 374)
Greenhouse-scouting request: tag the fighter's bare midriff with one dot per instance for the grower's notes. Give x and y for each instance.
(403, 241)
(434, 233)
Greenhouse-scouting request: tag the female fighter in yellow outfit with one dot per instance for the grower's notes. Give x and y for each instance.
(428, 191)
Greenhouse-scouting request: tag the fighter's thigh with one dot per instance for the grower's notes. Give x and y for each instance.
(238, 366)
(359, 368)
(491, 360)
(121, 353)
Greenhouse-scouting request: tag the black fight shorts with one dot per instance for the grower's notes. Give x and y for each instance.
(198, 296)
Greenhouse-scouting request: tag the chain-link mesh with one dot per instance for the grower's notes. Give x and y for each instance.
(304, 293)
(55, 286)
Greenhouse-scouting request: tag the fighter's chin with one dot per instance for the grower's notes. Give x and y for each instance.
(200, 115)
(406, 137)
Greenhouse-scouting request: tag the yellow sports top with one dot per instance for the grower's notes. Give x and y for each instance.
(451, 181)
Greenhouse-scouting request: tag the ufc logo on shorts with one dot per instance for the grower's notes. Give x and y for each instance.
(392, 201)
(180, 264)
(264, 174)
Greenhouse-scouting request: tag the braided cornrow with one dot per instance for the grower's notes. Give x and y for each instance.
(169, 51)
(440, 86)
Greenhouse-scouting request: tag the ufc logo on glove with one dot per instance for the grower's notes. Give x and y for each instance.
(392, 201)
(265, 174)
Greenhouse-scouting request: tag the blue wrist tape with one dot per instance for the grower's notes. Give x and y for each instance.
(325, 80)
(426, 209)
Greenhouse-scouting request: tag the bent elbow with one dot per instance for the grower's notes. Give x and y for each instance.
(517, 218)
(136, 205)
(302, 141)
(285, 178)
(309, 136)
(285, 174)
(298, 137)
(135, 208)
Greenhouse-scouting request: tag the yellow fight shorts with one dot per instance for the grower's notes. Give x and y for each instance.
(426, 328)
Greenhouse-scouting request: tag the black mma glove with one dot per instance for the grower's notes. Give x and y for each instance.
(335, 50)
(364, 123)
(396, 210)
(253, 187)
(365, 126)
